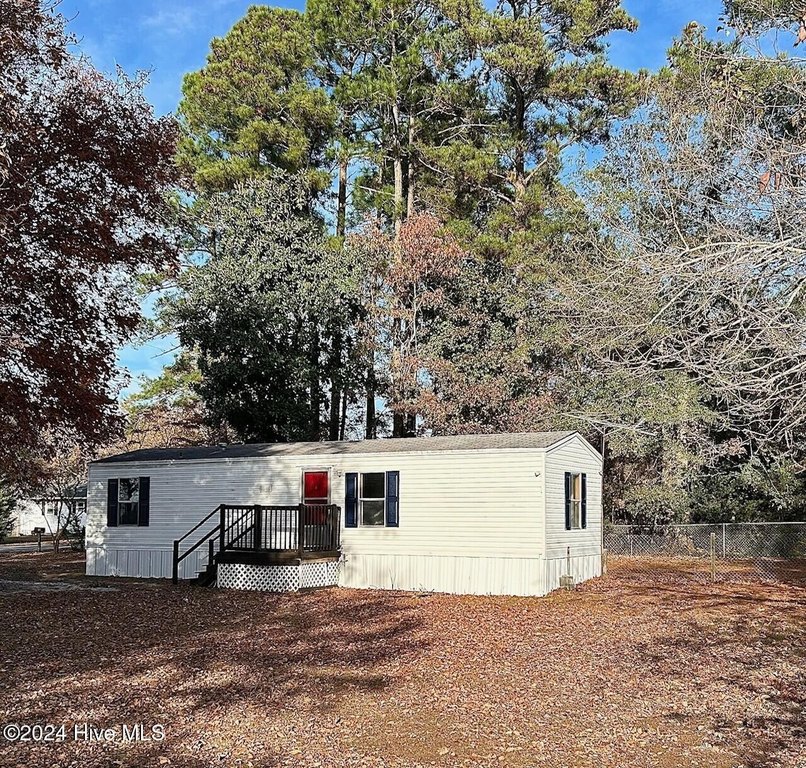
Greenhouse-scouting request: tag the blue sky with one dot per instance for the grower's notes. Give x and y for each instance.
(171, 37)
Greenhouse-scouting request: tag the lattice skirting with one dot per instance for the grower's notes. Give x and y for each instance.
(277, 578)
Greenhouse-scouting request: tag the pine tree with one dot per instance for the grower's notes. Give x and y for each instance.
(252, 110)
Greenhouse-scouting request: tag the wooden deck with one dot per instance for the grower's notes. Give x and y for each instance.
(262, 535)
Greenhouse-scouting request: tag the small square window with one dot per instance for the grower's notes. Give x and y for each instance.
(372, 513)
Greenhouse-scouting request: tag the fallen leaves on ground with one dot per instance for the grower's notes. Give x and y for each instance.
(623, 671)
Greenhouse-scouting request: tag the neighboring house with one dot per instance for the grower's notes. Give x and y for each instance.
(473, 514)
(41, 512)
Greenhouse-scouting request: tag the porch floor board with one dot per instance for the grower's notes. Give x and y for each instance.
(274, 557)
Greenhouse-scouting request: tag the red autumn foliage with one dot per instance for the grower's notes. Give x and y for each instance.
(84, 171)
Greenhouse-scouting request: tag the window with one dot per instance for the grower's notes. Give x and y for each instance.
(575, 500)
(128, 500)
(373, 498)
(51, 508)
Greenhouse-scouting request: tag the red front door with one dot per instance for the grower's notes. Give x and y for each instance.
(315, 493)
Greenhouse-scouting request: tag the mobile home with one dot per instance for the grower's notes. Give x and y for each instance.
(473, 514)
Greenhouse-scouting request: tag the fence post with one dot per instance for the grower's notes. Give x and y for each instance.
(604, 562)
(629, 538)
(713, 556)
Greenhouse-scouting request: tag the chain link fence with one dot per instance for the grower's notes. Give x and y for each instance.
(725, 551)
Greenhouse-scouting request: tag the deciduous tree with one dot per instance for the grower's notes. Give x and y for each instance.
(696, 293)
(84, 171)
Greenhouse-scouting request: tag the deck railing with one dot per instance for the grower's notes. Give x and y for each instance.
(296, 529)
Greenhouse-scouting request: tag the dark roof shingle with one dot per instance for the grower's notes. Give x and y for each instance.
(332, 448)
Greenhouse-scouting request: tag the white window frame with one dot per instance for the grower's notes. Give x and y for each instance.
(362, 499)
(135, 504)
(576, 501)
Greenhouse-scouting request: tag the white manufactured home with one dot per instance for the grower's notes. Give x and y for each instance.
(473, 514)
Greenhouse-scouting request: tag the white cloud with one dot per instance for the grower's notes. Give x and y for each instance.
(172, 21)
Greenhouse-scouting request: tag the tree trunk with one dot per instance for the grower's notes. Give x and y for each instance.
(519, 181)
(398, 418)
(398, 199)
(335, 387)
(343, 425)
(397, 160)
(315, 400)
(410, 171)
(398, 424)
(341, 213)
(370, 425)
(335, 413)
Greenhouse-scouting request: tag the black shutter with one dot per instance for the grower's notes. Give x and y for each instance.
(392, 499)
(351, 500)
(112, 503)
(144, 507)
(584, 501)
(567, 501)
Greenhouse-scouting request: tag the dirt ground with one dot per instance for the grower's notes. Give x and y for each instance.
(624, 672)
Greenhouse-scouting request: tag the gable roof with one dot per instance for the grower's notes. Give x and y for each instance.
(521, 440)
(78, 492)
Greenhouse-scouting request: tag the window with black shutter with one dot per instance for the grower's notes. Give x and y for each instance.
(372, 499)
(128, 501)
(576, 502)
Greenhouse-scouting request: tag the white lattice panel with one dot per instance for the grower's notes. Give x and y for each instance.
(277, 578)
(325, 574)
(267, 578)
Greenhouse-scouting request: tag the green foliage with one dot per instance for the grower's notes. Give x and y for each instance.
(252, 110)
(748, 491)
(263, 311)
(173, 387)
(8, 505)
(488, 293)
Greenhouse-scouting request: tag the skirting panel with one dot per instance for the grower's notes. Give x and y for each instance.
(582, 568)
(445, 573)
(142, 563)
(277, 578)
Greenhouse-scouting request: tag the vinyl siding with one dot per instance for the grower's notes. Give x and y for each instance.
(572, 455)
(456, 504)
(29, 515)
